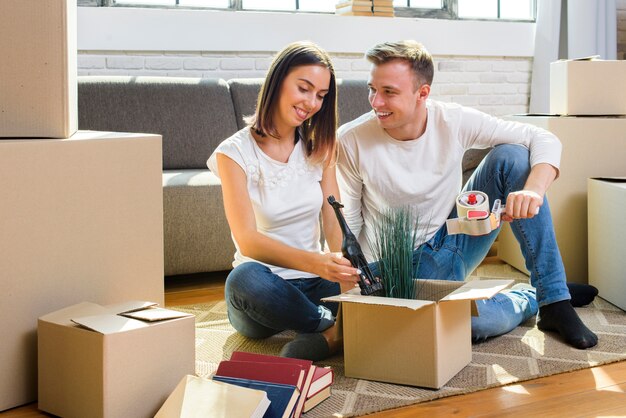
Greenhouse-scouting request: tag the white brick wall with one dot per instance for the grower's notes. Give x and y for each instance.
(498, 86)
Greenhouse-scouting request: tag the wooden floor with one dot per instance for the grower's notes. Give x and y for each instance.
(595, 392)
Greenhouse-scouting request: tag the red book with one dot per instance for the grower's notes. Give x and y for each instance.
(285, 373)
(322, 378)
(307, 365)
(316, 399)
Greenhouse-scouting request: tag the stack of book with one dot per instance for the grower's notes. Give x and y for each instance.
(354, 8)
(383, 8)
(293, 386)
(199, 397)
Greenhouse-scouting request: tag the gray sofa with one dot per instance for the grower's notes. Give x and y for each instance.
(193, 115)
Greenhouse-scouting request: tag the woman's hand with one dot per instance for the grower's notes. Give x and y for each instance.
(335, 268)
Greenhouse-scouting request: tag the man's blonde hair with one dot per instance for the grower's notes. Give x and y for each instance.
(410, 51)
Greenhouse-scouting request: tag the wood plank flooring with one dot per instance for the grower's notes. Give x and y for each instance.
(595, 392)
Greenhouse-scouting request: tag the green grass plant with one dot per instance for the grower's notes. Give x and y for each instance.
(395, 237)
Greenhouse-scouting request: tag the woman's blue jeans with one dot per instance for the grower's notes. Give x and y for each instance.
(261, 304)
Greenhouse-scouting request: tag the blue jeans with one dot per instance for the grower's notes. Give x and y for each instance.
(453, 257)
(261, 304)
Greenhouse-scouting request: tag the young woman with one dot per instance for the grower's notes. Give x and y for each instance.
(276, 174)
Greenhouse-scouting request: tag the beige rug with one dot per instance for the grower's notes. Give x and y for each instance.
(523, 354)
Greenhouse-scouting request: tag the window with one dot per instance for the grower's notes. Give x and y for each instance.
(467, 9)
(523, 10)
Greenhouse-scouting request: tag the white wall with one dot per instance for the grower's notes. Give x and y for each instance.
(486, 65)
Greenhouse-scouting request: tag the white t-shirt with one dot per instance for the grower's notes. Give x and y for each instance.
(286, 197)
(377, 171)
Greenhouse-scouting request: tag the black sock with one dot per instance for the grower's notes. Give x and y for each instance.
(582, 294)
(562, 318)
(311, 346)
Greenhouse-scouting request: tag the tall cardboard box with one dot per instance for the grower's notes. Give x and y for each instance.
(419, 342)
(607, 247)
(592, 147)
(38, 90)
(588, 87)
(94, 362)
(80, 219)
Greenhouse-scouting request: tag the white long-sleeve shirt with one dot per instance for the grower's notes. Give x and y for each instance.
(376, 171)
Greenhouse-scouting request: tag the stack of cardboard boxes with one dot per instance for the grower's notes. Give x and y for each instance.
(82, 216)
(587, 113)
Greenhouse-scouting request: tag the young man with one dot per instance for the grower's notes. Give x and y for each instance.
(408, 151)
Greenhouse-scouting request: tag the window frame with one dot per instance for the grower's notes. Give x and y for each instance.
(449, 10)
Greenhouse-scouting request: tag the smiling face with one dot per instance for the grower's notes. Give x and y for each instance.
(301, 96)
(398, 99)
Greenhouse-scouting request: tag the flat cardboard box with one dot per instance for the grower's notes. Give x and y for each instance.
(592, 147)
(93, 362)
(38, 69)
(419, 342)
(81, 219)
(607, 247)
(588, 87)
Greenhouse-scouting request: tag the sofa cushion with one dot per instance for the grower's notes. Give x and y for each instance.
(193, 115)
(244, 92)
(196, 233)
(352, 97)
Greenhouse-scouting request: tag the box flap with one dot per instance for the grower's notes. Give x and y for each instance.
(617, 180)
(155, 314)
(129, 306)
(589, 58)
(63, 316)
(354, 295)
(478, 289)
(109, 323)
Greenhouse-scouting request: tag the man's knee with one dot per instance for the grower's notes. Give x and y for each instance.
(511, 153)
(512, 160)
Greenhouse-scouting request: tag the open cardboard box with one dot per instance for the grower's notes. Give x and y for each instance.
(95, 361)
(419, 342)
(607, 228)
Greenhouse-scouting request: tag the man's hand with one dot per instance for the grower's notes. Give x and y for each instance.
(523, 204)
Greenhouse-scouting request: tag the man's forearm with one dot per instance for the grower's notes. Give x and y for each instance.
(540, 178)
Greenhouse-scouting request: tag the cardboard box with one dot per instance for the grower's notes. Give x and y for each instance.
(592, 147)
(607, 244)
(93, 362)
(38, 87)
(509, 250)
(422, 342)
(588, 87)
(80, 219)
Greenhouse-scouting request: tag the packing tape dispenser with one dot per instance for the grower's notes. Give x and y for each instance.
(474, 216)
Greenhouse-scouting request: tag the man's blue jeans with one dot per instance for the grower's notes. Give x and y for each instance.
(453, 257)
(261, 304)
